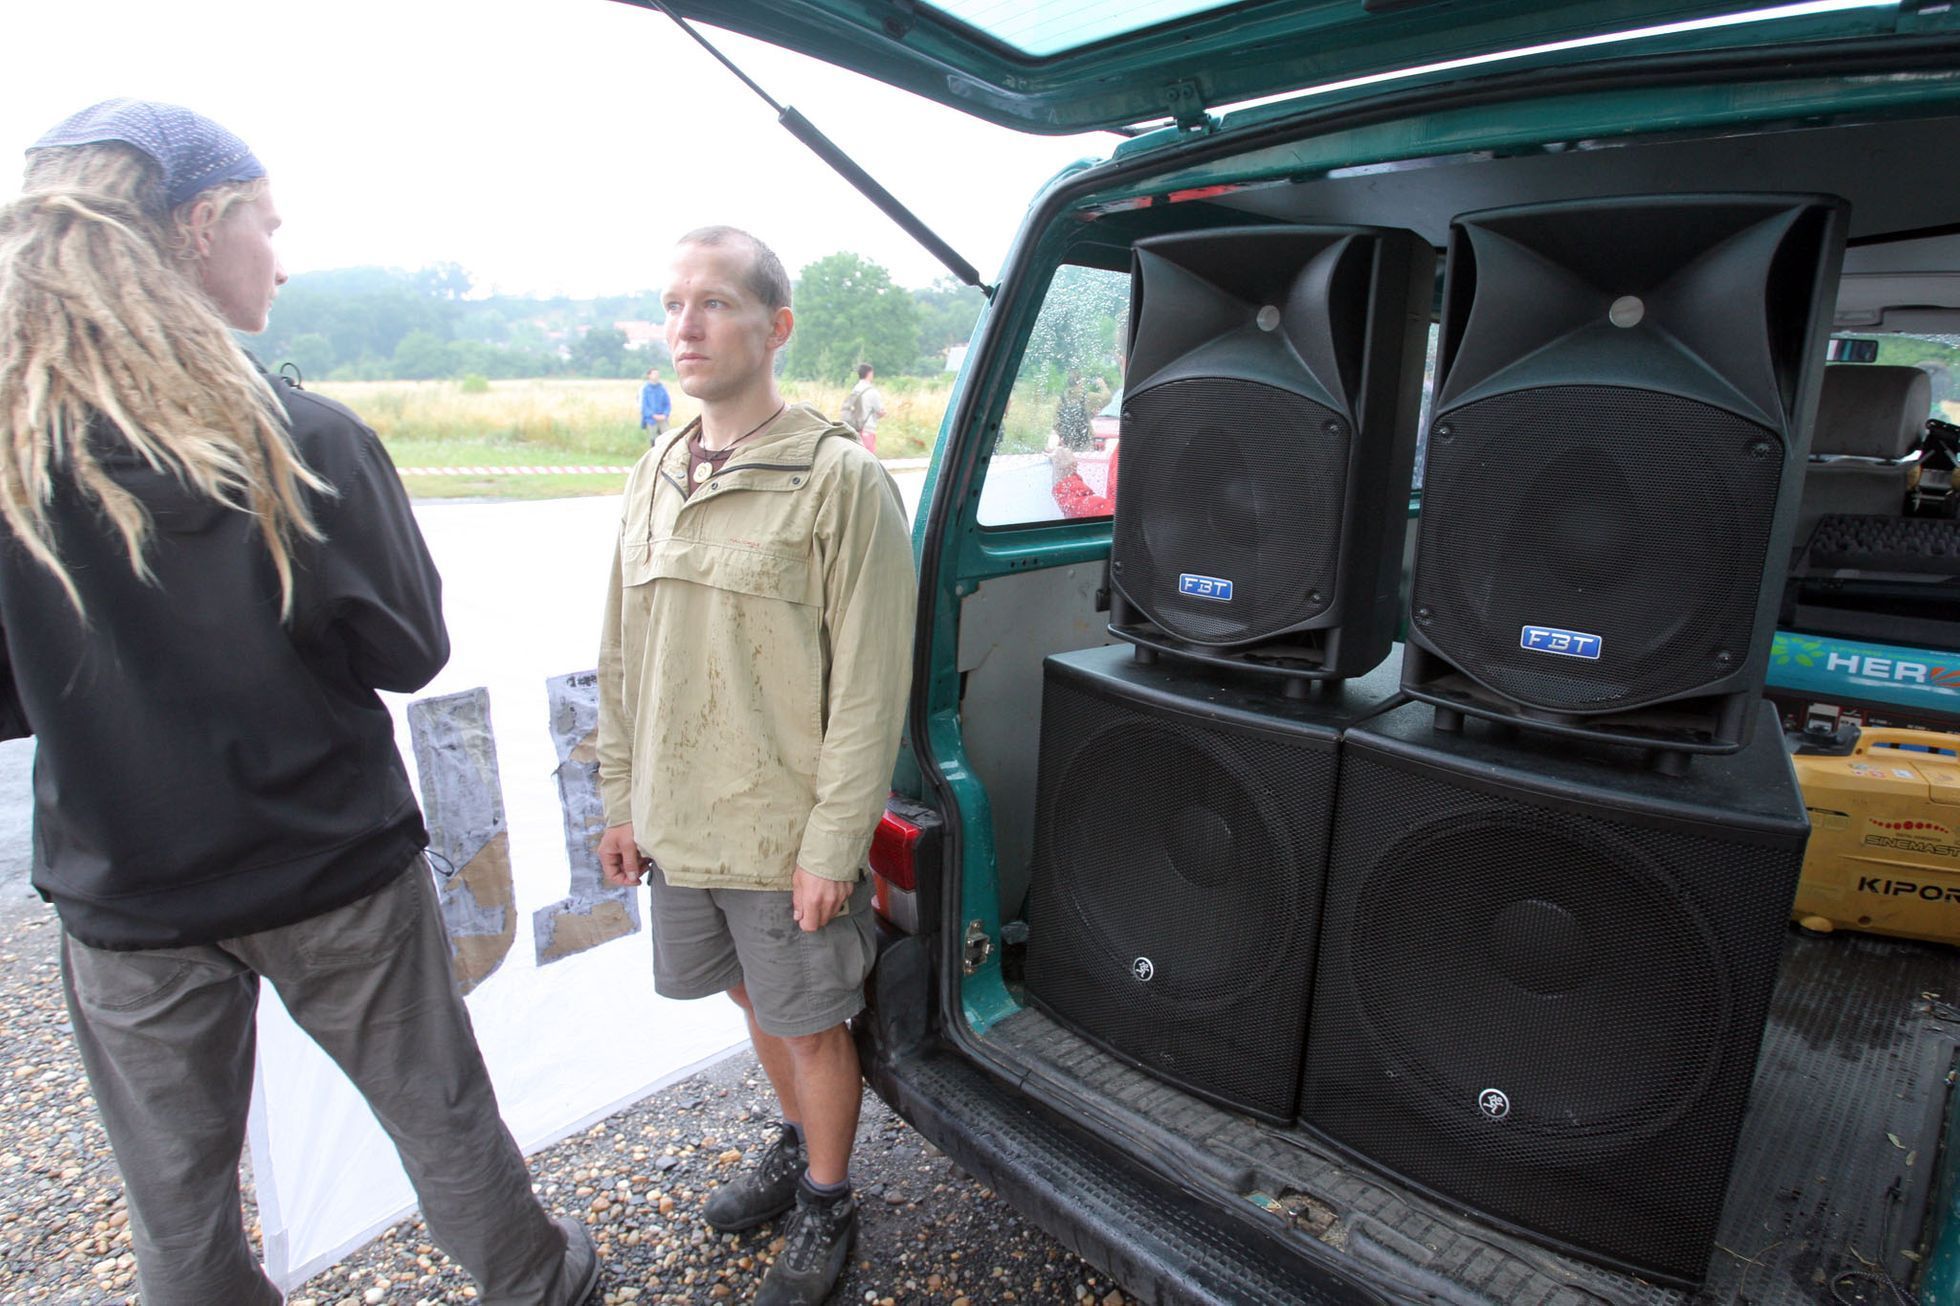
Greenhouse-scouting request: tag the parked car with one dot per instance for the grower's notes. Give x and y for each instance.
(1760, 1135)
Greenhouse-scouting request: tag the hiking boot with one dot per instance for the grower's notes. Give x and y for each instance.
(581, 1264)
(816, 1243)
(763, 1191)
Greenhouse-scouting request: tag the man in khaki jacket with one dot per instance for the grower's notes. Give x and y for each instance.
(752, 678)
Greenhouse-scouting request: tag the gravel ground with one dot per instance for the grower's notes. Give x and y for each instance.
(929, 1233)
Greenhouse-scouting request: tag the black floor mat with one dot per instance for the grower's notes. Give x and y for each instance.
(1848, 1096)
(1843, 1124)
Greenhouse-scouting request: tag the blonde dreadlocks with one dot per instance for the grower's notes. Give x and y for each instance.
(110, 336)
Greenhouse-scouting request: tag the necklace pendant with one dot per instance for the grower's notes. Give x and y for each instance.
(702, 471)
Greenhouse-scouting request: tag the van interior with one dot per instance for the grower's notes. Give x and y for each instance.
(1851, 1109)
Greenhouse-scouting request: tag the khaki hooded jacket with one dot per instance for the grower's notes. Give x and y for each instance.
(756, 657)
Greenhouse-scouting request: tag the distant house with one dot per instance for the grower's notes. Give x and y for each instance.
(641, 335)
(955, 357)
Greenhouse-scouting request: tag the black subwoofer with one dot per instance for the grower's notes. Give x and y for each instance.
(1181, 833)
(1268, 438)
(1624, 396)
(1543, 979)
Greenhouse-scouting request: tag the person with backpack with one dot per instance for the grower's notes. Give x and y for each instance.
(863, 406)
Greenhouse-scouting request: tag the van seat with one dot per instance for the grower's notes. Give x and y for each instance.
(1868, 418)
(1862, 568)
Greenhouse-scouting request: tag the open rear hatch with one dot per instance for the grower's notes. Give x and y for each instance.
(1061, 68)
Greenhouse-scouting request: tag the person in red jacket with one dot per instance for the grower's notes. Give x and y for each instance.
(1073, 495)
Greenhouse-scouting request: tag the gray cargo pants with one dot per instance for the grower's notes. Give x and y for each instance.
(167, 1037)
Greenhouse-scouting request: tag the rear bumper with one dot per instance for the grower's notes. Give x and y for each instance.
(1163, 1245)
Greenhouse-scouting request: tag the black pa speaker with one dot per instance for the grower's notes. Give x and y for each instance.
(1181, 829)
(1543, 980)
(1624, 396)
(1268, 437)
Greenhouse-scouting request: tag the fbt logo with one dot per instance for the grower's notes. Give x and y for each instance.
(1566, 643)
(1204, 587)
(1899, 671)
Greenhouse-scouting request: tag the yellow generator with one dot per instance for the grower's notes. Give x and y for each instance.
(1884, 851)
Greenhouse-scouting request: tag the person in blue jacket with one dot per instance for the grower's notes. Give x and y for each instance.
(205, 577)
(655, 406)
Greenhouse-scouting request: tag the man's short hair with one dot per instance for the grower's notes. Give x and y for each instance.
(864, 370)
(766, 279)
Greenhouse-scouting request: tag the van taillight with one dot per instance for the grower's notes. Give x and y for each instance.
(895, 852)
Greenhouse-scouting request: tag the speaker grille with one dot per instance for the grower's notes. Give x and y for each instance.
(1609, 980)
(1171, 846)
(1638, 517)
(1234, 480)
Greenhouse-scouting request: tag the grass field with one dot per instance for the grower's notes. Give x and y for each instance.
(555, 423)
(546, 423)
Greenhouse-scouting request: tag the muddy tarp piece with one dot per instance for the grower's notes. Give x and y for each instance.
(469, 842)
(594, 913)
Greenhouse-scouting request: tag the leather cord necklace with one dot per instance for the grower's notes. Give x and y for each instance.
(703, 470)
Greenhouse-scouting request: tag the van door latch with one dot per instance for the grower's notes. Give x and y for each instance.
(978, 946)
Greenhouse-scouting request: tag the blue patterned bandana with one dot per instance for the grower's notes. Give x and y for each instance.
(194, 152)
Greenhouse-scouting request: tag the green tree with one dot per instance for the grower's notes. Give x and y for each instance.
(600, 352)
(948, 312)
(443, 281)
(312, 354)
(1077, 329)
(849, 312)
(383, 324)
(423, 356)
(360, 311)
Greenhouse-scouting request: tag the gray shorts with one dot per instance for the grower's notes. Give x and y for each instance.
(706, 941)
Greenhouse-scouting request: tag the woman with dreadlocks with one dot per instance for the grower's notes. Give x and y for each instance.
(204, 578)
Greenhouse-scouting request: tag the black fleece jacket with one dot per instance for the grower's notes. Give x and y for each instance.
(203, 769)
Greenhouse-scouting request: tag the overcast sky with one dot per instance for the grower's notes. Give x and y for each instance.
(546, 145)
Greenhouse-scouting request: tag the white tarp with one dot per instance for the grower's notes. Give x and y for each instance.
(566, 1044)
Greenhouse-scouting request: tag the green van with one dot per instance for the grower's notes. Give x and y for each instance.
(1750, 1113)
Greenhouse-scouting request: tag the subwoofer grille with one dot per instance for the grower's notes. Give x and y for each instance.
(1651, 534)
(1177, 875)
(1234, 480)
(1609, 980)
